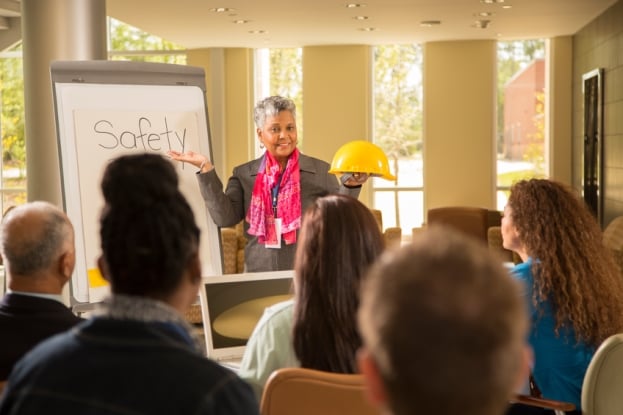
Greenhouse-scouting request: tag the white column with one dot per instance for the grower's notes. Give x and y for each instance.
(53, 30)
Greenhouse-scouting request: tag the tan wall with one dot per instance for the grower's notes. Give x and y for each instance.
(337, 99)
(239, 129)
(600, 45)
(211, 60)
(459, 108)
(559, 79)
(229, 89)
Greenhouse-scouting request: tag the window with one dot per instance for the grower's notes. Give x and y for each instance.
(521, 139)
(13, 162)
(280, 72)
(398, 131)
(125, 43)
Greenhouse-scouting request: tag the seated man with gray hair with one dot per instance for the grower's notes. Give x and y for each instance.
(444, 329)
(37, 245)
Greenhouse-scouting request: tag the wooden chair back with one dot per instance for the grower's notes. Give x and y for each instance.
(312, 392)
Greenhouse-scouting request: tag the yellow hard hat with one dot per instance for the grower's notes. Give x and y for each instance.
(361, 157)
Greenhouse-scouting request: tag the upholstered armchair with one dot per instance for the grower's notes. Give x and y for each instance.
(233, 241)
(393, 235)
(613, 239)
(471, 220)
(310, 392)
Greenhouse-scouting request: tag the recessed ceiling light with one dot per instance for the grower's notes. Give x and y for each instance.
(507, 6)
(430, 23)
(360, 17)
(241, 21)
(355, 5)
(257, 32)
(221, 9)
(481, 24)
(367, 29)
(484, 14)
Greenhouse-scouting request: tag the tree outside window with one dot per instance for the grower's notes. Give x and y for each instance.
(125, 43)
(13, 171)
(398, 131)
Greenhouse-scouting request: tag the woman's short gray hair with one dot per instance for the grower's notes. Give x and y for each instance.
(270, 107)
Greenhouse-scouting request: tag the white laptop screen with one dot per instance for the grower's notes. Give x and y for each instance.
(232, 304)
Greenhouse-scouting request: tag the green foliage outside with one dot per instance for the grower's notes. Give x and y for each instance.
(286, 79)
(12, 129)
(140, 46)
(397, 100)
(12, 95)
(124, 37)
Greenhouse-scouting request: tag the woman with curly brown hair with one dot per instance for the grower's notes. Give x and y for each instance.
(573, 285)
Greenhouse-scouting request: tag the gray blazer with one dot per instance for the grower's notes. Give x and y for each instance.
(229, 207)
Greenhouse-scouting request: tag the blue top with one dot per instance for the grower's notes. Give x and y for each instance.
(560, 361)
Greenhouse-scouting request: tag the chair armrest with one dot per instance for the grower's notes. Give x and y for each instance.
(229, 240)
(393, 237)
(543, 403)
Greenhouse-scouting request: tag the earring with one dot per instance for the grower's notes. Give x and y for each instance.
(262, 146)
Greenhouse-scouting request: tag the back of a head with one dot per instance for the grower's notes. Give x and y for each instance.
(339, 240)
(148, 231)
(548, 214)
(445, 324)
(32, 236)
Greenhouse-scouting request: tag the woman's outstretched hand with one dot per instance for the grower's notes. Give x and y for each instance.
(196, 159)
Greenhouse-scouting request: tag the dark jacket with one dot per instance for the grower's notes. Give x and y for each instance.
(25, 321)
(230, 207)
(107, 366)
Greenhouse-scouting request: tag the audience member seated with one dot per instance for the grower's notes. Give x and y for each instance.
(37, 245)
(137, 355)
(572, 284)
(339, 239)
(443, 328)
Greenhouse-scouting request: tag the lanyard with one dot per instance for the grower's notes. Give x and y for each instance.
(275, 193)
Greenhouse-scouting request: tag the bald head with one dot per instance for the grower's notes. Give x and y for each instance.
(33, 238)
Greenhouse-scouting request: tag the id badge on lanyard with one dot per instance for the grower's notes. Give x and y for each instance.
(275, 194)
(277, 244)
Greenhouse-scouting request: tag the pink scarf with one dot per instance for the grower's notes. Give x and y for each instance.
(260, 214)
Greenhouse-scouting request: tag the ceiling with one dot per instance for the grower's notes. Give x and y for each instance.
(295, 23)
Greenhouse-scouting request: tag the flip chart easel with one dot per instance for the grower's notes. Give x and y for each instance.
(108, 108)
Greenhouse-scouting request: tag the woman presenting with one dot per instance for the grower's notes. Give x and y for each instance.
(271, 192)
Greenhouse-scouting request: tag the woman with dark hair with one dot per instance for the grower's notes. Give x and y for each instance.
(573, 286)
(339, 240)
(137, 355)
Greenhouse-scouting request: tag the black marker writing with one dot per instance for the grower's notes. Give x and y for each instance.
(147, 138)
